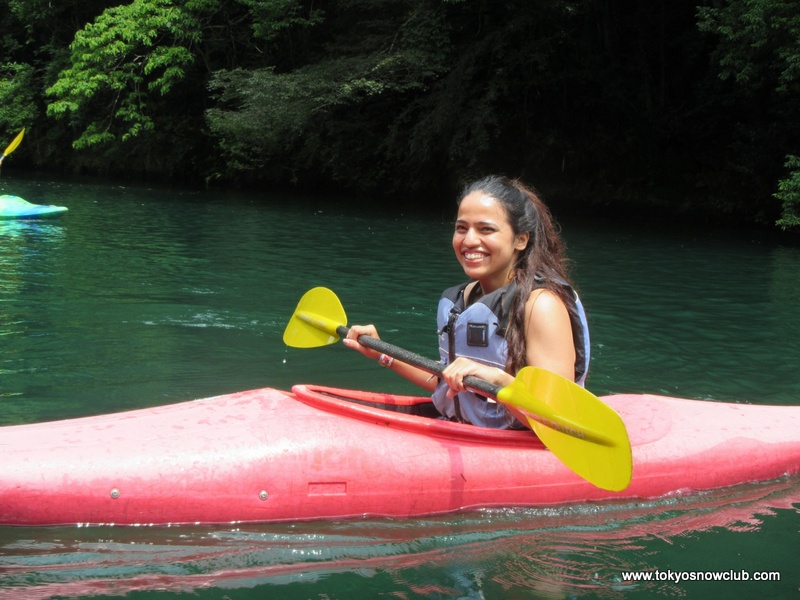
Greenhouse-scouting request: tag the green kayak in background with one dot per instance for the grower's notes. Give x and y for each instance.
(14, 207)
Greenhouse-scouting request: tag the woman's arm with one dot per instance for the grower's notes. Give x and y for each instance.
(548, 334)
(414, 374)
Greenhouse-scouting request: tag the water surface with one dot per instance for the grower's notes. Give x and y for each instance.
(139, 297)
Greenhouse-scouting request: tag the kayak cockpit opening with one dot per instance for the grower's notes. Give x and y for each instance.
(417, 406)
(413, 414)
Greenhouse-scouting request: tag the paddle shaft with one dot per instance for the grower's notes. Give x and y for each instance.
(426, 364)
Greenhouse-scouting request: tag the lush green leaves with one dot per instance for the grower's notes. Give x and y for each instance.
(127, 52)
(789, 193)
(409, 96)
(760, 49)
(17, 97)
(271, 18)
(318, 118)
(760, 40)
(135, 78)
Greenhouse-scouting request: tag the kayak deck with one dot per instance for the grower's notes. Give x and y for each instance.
(324, 453)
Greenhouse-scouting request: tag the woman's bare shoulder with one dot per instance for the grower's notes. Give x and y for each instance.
(543, 302)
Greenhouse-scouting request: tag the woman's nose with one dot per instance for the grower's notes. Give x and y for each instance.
(471, 237)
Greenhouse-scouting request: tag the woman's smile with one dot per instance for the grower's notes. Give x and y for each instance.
(474, 256)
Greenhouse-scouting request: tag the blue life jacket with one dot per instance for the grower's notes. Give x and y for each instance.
(477, 332)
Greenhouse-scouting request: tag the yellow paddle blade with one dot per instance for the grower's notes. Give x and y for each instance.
(13, 145)
(587, 435)
(315, 320)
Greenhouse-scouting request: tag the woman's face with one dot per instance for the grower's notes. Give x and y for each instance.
(484, 241)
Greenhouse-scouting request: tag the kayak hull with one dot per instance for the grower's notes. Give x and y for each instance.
(270, 455)
(14, 207)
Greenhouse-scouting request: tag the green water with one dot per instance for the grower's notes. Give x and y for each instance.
(140, 297)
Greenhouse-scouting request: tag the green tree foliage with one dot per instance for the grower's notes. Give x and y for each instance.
(760, 41)
(128, 54)
(332, 114)
(271, 18)
(789, 193)
(631, 101)
(134, 83)
(412, 96)
(759, 49)
(33, 49)
(17, 96)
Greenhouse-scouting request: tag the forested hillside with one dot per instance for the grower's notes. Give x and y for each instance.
(674, 107)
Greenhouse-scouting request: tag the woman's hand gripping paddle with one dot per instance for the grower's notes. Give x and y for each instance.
(588, 436)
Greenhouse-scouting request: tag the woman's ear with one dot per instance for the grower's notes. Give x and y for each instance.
(521, 242)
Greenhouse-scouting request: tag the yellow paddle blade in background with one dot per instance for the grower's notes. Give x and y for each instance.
(323, 311)
(597, 448)
(13, 145)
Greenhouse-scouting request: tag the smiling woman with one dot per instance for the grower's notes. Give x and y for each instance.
(517, 309)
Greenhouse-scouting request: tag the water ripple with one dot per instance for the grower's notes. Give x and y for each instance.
(561, 552)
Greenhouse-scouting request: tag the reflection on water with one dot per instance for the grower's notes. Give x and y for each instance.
(560, 552)
(29, 260)
(28, 254)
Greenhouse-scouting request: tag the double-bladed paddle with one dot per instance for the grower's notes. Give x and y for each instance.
(587, 435)
(12, 146)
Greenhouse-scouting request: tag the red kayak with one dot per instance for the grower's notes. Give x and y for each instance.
(323, 453)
